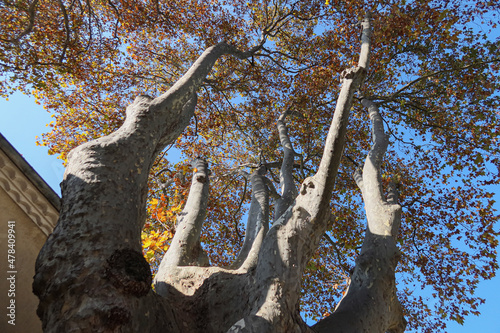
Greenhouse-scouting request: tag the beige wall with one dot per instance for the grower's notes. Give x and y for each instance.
(29, 240)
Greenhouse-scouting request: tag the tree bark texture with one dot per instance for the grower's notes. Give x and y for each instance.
(371, 303)
(92, 277)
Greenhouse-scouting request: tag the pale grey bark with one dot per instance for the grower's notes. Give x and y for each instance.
(291, 242)
(185, 248)
(383, 215)
(257, 223)
(91, 275)
(372, 292)
(366, 36)
(287, 184)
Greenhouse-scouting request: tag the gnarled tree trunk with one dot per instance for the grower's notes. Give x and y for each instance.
(91, 275)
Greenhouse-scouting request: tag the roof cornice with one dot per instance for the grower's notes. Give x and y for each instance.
(25, 186)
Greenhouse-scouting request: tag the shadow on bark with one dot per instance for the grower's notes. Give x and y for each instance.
(216, 304)
(370, 303)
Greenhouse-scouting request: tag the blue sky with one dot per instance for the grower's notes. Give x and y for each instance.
(22, 120)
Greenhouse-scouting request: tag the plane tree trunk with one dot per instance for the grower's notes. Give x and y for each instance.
(91, 275)
(372, 291)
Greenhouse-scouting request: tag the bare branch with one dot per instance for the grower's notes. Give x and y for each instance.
(31, 22)
(441, 72)
(67, 30)
(337, 252)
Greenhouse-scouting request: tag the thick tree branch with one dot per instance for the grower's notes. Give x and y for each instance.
(372, 292)
(366, 35)
(185, 248)
(176, 106)
(372, 189)
(287, 184)
(293, 238)
(257, 223)
(104, 193)
(352, 79)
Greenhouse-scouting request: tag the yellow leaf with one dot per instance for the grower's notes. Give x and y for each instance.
(147, 243)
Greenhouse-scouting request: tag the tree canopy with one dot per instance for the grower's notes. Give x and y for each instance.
(433, 74)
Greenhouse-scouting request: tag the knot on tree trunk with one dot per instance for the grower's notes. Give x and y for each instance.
(128, 271)
(351, 73)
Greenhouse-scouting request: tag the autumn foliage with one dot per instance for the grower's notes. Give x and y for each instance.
(434, 73)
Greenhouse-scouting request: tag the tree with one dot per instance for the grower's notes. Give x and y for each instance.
(269, 70)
